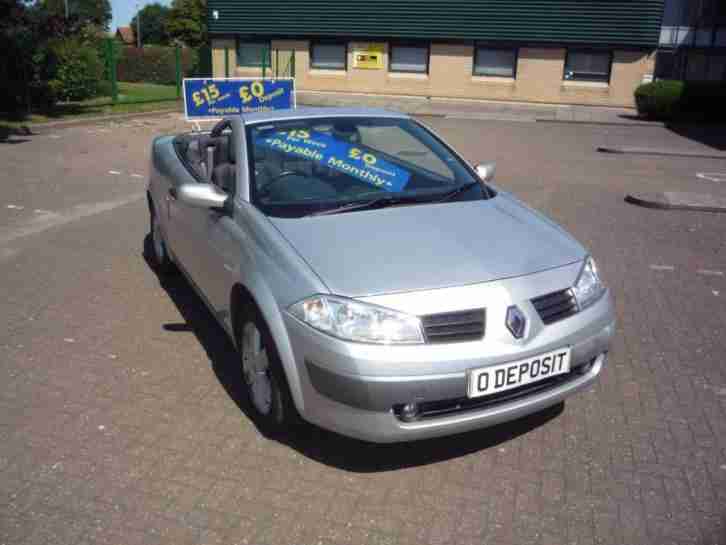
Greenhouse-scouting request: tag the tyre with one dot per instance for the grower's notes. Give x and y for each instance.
(159, 253)
(272, 406)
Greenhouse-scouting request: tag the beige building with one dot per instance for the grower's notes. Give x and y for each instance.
(449, 70)
(593, 52)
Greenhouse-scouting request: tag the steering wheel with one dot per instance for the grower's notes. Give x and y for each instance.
(264, 191)
(220, 127)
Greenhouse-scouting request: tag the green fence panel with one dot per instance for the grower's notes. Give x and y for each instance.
(111, 61)
(178, 70)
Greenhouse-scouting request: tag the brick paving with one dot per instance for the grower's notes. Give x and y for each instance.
(123, 420)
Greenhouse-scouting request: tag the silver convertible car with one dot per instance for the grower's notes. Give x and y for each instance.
(373, 282)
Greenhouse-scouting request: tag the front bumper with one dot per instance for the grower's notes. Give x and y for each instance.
(354, 389)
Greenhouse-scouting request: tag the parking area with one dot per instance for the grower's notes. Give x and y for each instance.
(123, 419)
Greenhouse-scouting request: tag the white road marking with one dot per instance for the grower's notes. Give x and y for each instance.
(115, 172)
(712, 176)
(663, 267)
(15, 207)
(136, 176)
(716, 292)
(42, 211)
(709, 272)
(54, 136)
(38, 224)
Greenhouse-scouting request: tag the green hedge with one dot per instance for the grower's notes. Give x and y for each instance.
(670, 100)
(154, 64)
(78, 70)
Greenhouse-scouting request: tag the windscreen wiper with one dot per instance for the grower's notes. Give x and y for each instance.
(454, 192)
(380, 202)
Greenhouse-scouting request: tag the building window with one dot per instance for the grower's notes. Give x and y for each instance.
(252, 54)
(409, 58)
(328, 56)
(588, 66)
(717, 68)
(703, 65)
(696, 66)
(499, 62)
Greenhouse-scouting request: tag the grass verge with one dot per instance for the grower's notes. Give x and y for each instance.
(133, 98)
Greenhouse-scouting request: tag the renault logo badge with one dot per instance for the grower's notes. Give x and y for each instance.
(516, 321)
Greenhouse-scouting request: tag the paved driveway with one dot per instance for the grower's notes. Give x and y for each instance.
(122, 418)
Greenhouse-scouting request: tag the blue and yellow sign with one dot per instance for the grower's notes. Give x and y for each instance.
(326, 149)
(214, 98)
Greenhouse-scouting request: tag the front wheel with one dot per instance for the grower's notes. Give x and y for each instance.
(272, 405)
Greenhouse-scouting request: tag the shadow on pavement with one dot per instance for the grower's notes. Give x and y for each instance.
(318, 444)
(9, 134)
(713, 136)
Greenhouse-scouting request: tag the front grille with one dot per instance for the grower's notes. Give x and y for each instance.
(555, 306)
(454, 327)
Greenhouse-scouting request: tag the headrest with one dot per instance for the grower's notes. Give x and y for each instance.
(222, 148)
(223, 175)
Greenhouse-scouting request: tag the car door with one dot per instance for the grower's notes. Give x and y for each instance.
(219, 245)
(183, 234)
(187, 236)
(221, 268)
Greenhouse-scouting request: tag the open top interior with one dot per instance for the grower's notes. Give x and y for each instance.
(210, 159)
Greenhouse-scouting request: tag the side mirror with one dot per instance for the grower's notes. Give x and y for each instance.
(201, 195)
(486, 171)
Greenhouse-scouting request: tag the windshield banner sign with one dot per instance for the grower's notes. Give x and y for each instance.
(323, 148)
(214, 98)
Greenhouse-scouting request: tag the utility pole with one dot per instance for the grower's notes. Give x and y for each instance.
(66, 4)
(138, 25)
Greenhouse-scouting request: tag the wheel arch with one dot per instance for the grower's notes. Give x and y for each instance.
(268, 309)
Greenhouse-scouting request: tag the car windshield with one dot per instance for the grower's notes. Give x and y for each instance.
(335, 165)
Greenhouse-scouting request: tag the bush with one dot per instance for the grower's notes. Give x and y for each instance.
(658, 99)
(105, 89)
(153, 64)
(76, 70)
(42, 96)
(670, 100)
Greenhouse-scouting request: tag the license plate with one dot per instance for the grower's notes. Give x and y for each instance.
(506, 376)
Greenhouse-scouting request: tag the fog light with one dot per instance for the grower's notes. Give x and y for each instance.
(409, 412)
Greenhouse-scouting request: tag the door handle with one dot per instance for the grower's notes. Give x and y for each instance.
(172, 193)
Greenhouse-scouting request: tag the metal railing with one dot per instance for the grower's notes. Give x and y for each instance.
(176, 62)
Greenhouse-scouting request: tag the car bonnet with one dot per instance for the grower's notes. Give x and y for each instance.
(428, 246)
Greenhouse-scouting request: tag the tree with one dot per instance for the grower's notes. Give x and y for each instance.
(187, 22)
(85, 12)
(15, 35)
(77, 69)
(153, 24)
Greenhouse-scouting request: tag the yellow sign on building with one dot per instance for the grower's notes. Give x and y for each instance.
(369, 57)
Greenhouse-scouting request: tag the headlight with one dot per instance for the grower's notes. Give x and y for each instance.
(588, 287)
(355, 321)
